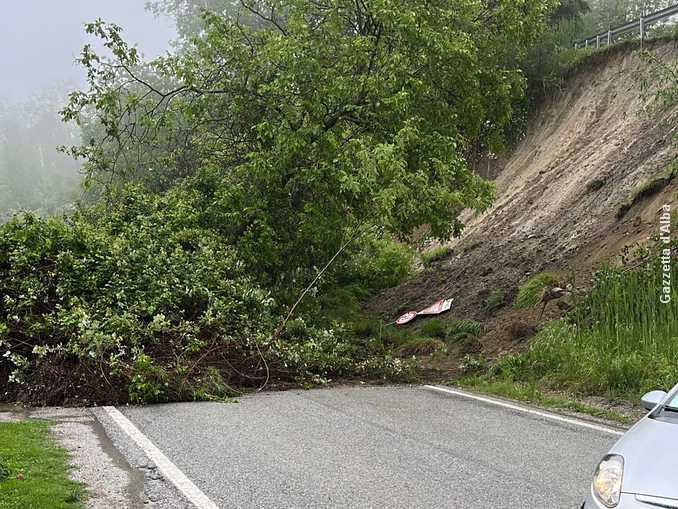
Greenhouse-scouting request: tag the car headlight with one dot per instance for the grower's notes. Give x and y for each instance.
(607, 480)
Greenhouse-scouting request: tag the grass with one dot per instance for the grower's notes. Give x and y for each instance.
(530, 293)
(463, 329)
(530, 393)
(434, 328)
(435, 254)
(36, 469)
(619, 341)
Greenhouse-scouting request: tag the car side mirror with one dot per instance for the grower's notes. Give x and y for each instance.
(652, 399)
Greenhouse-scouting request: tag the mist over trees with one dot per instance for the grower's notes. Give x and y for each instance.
(604, 14)
(34, 175)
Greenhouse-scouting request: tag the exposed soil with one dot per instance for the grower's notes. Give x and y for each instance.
(558, 197)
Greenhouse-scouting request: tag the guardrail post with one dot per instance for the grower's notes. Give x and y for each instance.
(609, 36)
(597, 41)
(642, 29)
(586, 44)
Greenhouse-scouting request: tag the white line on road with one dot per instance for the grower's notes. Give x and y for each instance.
(166, 467)
(545, 415)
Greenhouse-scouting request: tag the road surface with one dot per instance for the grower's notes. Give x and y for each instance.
(373, 447)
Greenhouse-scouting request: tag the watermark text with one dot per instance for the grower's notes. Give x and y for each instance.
(665, 238)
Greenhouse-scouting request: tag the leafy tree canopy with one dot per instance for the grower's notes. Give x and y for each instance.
(321, 116)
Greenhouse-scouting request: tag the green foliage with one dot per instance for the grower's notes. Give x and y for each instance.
(379, 264)
(4, 470)
(435, 254)
(531, 291)
(149, 382)
(434, 328)
(283, 138)
(471, 364)
(210, 387)
(367, 328)
(333, 123)
(29, 448)
(142, 289)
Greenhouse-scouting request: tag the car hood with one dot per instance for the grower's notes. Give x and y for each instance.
(650, 451)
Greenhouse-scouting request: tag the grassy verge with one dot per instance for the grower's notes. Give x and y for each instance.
(618, 342)
(34, 470)
(530, 393)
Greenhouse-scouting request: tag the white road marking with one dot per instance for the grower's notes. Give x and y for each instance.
(545, 415)
(166, 467)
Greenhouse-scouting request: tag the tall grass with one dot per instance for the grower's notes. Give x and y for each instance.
(619, 340)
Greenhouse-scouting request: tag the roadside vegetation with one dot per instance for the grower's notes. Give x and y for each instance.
(246, 192)
(249, 190)
(34, 470)
(619, 340)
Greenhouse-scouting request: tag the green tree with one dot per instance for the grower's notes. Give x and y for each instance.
(320, 119)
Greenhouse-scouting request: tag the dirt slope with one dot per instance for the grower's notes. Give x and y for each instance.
(558, 195)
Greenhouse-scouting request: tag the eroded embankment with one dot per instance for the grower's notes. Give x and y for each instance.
(559, 197)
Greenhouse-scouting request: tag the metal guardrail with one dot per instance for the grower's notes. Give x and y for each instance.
(640, 25)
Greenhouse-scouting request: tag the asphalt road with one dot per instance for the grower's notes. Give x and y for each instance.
(376, 447)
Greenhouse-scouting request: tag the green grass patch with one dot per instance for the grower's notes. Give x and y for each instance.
(435, 254)
(35, 469)
(531, 291)
(530, 393)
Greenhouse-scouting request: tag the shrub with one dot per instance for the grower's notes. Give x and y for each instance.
(471, 364)
(366, 328)
(141, 300)
(383, 263)
(530, 293)
(149, 382)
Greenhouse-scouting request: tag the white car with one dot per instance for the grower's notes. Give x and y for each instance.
(641, 470)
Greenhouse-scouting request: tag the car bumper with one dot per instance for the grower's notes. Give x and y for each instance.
(626, 501)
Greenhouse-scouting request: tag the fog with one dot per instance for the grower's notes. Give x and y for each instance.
(39, 41)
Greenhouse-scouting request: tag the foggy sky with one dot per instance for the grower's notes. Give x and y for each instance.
(39, 39)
